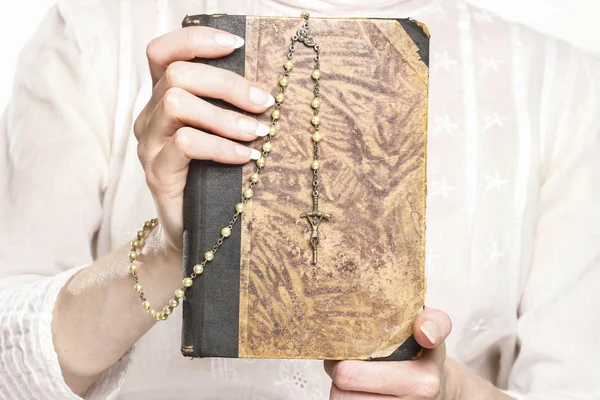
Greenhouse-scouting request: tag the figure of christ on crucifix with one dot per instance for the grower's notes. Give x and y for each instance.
(314, 218)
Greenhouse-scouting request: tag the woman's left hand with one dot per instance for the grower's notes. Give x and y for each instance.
(429, 377)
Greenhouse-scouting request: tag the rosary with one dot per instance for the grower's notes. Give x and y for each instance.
(314, 217)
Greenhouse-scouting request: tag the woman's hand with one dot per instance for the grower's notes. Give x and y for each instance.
(431, 377)
(172, 128)
(98, 316)
(424, 378)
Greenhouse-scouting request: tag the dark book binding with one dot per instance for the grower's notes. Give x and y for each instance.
(225, 310)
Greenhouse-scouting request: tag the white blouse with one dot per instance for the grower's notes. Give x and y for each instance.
(513, 238)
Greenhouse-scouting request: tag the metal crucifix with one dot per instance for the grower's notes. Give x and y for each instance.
(314, 218)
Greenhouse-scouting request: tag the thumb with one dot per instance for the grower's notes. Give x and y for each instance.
(431, 328)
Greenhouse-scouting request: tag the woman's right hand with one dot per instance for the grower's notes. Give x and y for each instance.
(173, 127)
(97, 316)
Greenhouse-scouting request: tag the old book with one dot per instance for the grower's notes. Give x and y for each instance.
(262, 297)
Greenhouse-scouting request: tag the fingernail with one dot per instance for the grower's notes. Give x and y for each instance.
(228, 40)
(244, 151)
(261, 98)
(430, 330)
(253, 127)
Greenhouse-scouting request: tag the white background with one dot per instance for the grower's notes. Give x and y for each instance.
(573, 20)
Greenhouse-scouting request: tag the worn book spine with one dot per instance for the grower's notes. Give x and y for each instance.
(210, 325)
(211, 310)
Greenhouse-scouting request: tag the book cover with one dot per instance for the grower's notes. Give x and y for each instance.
(262, 297)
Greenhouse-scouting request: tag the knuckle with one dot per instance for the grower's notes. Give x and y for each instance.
(336, 393)
(171, 100)
(152, 48)
(345, 376)
(175, 74)
(138, 127)
(141, 153)
(231, 80)
(227, 80)
(192, 36)
(151, 180)
(179, 142)
(430, 384)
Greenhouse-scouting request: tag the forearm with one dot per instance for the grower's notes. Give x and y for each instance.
(98, 316)
(462, 384)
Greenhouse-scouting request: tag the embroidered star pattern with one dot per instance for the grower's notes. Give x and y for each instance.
(442, 59)
(445, 124)
(494, 254)
(494, 182)
(441, 188)
(492, 121)
(477, 327)
(490, 63)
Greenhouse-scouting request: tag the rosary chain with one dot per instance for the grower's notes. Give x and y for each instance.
(247, 194)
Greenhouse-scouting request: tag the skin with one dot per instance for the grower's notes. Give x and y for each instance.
(98, 317)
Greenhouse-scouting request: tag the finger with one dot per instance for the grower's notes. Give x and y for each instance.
(339, 394)
(179, 108)
(189, 143)
(397, 378)
(187, 43)
(208, 81)
(431, 328)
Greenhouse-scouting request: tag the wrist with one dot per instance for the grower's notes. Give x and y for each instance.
(155, 266)
(159, 250)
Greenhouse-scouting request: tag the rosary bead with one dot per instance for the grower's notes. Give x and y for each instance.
(316, 120)
(136, 244)
(138, 288)
(146, 305)
(147, 225)
(316, 137)
(273, 130)
(209, 256)
(239, 207)
(284, 81)
(187, 282)
(315, 164)
(316, 103)
(133, 268)
(152, 312)
(261, 162)
(288, 65)
(140, 234)
(173, 302)
(132, 255)
(268, 146)
(276, 114)
(167, 311)
(279, 97)
(226, 232)
(179, 293)
(316, 74)
(158, 316)
(162, 316)
(253, 178)
(154, 222)
(248, 193)
(198, 269)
